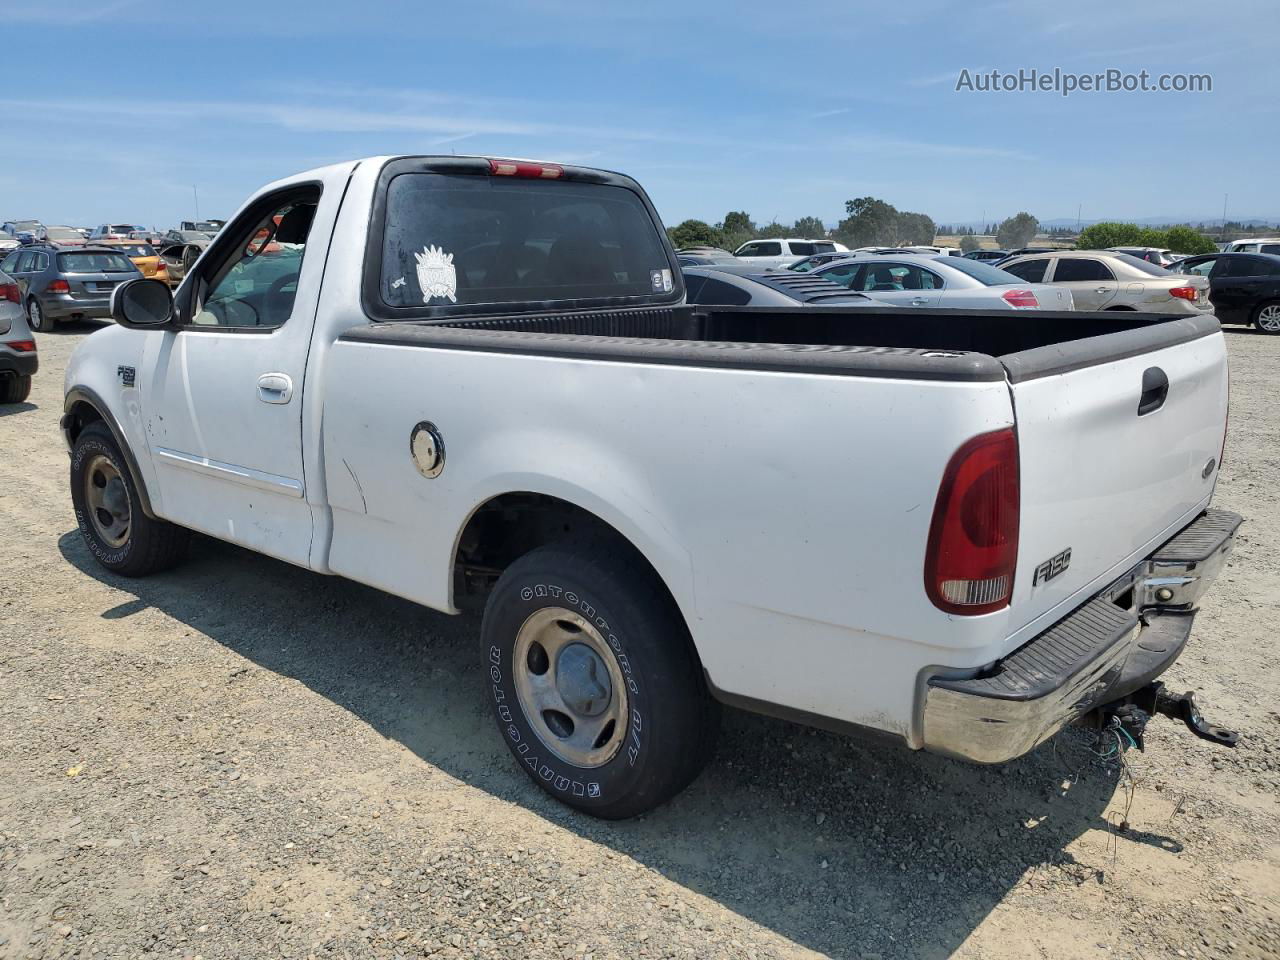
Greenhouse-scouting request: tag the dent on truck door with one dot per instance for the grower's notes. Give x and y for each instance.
(223, 393)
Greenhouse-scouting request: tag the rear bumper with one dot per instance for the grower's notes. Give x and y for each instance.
(1119, 641)
(17, 364)
(63, 306)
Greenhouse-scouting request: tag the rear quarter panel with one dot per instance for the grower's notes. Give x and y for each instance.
(787, 513)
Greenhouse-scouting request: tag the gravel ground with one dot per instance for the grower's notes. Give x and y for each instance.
(242, 759)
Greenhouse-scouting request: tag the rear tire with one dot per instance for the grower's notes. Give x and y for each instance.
(14, 389)
(595, 685)
(108, 510)
(1266, 318)
(36, 317)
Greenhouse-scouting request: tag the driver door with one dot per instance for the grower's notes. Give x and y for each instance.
(222, 394)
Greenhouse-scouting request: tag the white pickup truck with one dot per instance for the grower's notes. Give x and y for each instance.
(444, 374)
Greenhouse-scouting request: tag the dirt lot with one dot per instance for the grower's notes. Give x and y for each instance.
(240, 759)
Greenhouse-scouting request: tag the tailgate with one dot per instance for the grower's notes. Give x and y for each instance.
(1097, 477)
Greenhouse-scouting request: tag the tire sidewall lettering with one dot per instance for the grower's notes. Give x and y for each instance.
(81, 451)
(554, 775)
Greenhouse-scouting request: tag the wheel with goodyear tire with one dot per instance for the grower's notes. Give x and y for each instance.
(117, 532)
(593, 678)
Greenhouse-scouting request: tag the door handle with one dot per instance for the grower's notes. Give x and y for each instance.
(1102, 290)
(275, 388)
(919, 301)
(1155, 388)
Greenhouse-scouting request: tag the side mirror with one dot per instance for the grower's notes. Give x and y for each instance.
(142, 304)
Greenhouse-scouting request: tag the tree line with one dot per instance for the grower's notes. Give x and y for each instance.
(869, 222)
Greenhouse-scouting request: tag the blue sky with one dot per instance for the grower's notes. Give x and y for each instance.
(115, 108)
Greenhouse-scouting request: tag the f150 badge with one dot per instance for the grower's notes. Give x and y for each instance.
(127, 375)
(1052, 567)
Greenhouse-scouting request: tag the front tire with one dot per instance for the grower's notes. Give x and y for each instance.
(595, 685)
(1266, 319)
(14, 389)
(36, 317)
(108, 510)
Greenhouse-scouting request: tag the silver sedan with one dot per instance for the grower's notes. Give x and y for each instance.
(923, 280)
(1101, 280)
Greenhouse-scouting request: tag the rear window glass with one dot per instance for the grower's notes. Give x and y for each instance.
(474, 239)
(94, 263)
(821, 247)
(136, 249)
(1142, 266)
(984, 273)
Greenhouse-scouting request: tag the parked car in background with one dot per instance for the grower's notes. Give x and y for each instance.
(202, 226)
(1099, 280)
(782, 251)
(1243, 287)
(15, 227)
(64, 236)
(114, 231)
(143, 255)
(919, 280)
(703, 259)
(942, 251)
(57, 284)
(819, 260)
(7, 243)
(745, 285)
(987, 256)
(175, 260)
(1160, 256)
(1255, 245)
(17, 347)
(1022, 252)
(197, 237)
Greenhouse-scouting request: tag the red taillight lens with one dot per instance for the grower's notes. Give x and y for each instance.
(22, 346)
(1020, 298)
(1183, 293)
(522, 168)
(58, 286)
(973, 542)
(9, 291)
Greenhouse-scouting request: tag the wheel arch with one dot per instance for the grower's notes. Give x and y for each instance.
(81, 407)
(503, 527)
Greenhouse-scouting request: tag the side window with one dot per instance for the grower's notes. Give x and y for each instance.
(24, 261)
(801, 249)
(723, 294)
(39, 262)
(1201, 269)
(256, 285)
(750, 250)
(842, 274)
(1270, 248)
(1072, 269)
(10, 263)
(1244, 267)
(1031, 271)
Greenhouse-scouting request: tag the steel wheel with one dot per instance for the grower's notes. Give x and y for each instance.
(35, 316)
(570, 686)
(107, 500)
(1268, 318)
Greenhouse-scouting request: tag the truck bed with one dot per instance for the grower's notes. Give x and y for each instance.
(864, 341)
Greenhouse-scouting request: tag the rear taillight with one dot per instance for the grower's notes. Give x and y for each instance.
(973, 542)
(58, 286)
(1183, 293)
(9, 291)
(523, 168)
(1020, 298)
(22, 346)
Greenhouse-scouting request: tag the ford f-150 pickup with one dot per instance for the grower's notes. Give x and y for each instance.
(440, 375)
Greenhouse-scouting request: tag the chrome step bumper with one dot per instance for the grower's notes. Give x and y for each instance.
(1122, 639)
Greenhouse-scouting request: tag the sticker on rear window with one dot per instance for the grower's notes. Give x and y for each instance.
(660, 280)
(436, 274)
